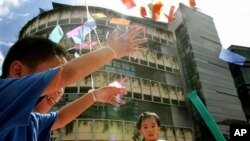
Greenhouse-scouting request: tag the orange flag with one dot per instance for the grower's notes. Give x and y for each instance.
(129, 3)
(157, 10)
(143, 12)
(171, 16)
(192, 3)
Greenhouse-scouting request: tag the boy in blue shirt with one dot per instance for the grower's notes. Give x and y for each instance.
(36, 67)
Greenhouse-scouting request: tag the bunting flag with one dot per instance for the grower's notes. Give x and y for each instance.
(150, 7)
(171, 16)
(74, 32)
(129, 3)
(231, 57)
(78, 34)
(202, 110)
(90, 23)
(78, 39)
(120, 21)
(192, 3)
(99, 15)
(156, 10)
(56, 34)
(143, 12)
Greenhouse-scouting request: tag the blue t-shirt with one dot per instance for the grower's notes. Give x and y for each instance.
(18, 97)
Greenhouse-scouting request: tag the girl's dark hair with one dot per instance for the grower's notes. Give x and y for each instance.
(31, 51)
(146, 115)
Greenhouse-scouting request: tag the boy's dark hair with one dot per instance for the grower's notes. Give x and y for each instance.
(31, 51)
(146, 115)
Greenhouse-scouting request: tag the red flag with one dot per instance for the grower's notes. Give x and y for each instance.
(157, 10)
(129, 3)
(192, 3)
(143, 12)
(171, 16)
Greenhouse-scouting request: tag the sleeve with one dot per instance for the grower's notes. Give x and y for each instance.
(44, 124)
(19, 95)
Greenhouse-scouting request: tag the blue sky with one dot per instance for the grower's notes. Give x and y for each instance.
(231, 17)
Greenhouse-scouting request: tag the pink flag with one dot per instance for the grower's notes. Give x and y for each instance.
(74, 32)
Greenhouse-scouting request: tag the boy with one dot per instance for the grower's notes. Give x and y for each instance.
(36, 67)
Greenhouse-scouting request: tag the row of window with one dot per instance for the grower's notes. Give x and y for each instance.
(77, 16)
(138, 88)
(100, 130)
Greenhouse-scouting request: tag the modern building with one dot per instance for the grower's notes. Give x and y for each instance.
(181, 56)
(199, 46)
(154, 79)
(241, 75)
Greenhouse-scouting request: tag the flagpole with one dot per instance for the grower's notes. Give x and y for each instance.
(90, 46)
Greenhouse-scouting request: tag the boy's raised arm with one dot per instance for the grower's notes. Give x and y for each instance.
(78, 68)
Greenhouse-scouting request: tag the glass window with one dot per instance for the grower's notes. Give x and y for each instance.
(167, 62)
(170, 134)
(162, 134)
(101, 79)
(173, 94)
(114, 77)
(129, 130)
(86, 83)
(160, 60)
(151, 56)
(146, 87)
(180, 134)
(116, 130)
(85, 129)
(188, 134)
(101, 130)
(180, 94)
(155, 89)
(136, 85)
(127, 83)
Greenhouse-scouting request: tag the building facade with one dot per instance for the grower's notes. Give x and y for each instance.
(155, 81)
(199, 47)
(241, 75)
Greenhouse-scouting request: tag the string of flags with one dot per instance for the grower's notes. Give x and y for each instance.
(152, 11)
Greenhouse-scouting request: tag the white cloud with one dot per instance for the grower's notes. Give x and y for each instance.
(6, 5)
(5, 43)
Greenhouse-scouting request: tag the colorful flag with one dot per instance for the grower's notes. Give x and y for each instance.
(156, 9)
(231, 57)
(143, 11)
(56, 34)
(192, 3)
(78, 34)
(129, 3)
(78, 39)
(206, 116)
(90, 23)
(74, 32)
(120, 21)
(171, 16)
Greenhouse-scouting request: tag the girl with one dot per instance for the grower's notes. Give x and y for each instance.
(148, 126)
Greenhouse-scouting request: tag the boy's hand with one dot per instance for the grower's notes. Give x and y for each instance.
(108, 95)
(123, 45)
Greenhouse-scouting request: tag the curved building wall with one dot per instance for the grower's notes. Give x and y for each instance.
(154, 78)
